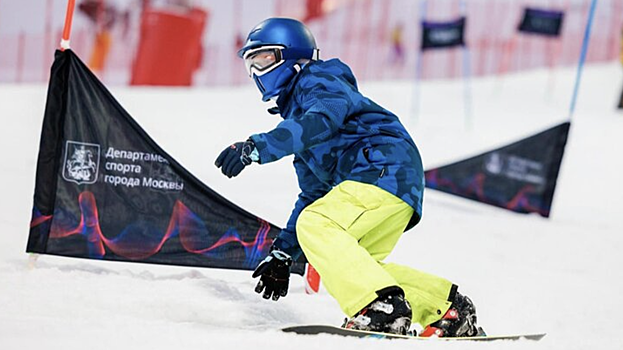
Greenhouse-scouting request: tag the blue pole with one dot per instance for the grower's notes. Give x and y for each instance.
(468, 89)
(587, 34)
(418, 68)
(467, 72)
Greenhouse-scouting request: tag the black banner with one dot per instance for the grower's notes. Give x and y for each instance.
(442, 35)
(520, 177)
(106, 190)
(541, 22)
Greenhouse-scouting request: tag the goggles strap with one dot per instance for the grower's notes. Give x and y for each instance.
(293, 52)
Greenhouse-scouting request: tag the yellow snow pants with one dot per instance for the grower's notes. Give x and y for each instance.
(347, 233)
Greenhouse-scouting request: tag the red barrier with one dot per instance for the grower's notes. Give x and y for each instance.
(169, 49)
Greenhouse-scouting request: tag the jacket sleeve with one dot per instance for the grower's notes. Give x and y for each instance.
(325, 102)
(311, 190)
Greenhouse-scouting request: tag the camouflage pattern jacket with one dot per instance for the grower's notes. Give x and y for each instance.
(337, 134)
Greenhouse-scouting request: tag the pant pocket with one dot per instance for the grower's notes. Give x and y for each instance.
(343, 213)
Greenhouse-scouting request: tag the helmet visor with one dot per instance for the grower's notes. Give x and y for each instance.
(263, 59)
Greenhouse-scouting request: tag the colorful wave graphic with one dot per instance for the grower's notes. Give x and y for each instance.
(141, 240)
(525, 200)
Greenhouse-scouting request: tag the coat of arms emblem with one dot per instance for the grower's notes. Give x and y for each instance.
(81, 162)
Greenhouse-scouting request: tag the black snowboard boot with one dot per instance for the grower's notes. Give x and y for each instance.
(458, 321)
(389, 313)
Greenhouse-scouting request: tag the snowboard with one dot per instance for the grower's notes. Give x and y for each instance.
(326, 329)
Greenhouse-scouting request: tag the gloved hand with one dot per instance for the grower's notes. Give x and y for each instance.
(236, 157)
(274, 272)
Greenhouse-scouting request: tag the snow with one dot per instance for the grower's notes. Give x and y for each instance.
(525, 273)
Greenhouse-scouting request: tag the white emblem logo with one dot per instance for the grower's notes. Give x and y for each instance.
(445, 35)
(494, 163)
(81, 162)
(516, 168)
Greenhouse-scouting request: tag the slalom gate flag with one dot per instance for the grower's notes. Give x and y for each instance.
(106, 190)
(520, 177)
(442, 35)
(541, 22)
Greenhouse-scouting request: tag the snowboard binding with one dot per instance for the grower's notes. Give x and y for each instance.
(458, 321)
(390, 313)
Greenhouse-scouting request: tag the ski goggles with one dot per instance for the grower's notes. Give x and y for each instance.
(263, 59)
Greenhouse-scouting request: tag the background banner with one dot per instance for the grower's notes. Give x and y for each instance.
(541, 22)
(441, 35)
(520, 177)
(106, 190)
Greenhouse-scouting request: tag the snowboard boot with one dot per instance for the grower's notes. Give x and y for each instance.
(458, 321)
(389, 313)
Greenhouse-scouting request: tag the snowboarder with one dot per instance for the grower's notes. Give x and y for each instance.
(361, 182)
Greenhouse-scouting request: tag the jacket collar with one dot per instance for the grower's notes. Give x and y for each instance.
(283, 100)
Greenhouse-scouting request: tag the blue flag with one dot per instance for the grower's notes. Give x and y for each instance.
(443, 35)
(541, 22)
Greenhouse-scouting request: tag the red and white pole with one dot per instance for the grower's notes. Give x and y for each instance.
(69, 16)
(312, 280)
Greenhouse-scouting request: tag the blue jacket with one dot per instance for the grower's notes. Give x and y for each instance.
(337, 134)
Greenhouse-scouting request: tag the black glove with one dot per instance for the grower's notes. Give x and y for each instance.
(236, 157)
(275, 275)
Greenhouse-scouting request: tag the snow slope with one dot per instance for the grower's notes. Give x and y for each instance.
(525, 273)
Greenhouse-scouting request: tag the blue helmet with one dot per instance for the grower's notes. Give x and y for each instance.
(272, 51)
